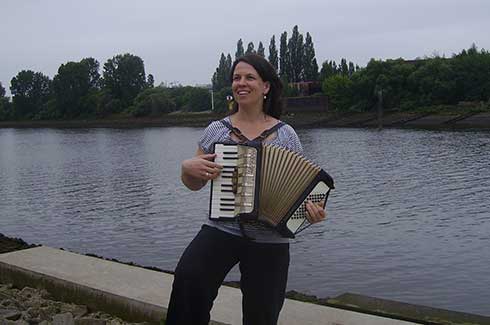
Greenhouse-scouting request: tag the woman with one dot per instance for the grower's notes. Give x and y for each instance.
(264, 259)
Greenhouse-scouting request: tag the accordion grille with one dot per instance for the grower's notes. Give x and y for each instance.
(284, 178)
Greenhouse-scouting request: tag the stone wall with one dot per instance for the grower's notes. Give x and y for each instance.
(306, 104)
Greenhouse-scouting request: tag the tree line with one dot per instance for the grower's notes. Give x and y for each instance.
(78, 90)
(295, 61)
(408, 85)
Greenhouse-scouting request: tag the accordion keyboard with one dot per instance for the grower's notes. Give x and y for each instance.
(223, 199)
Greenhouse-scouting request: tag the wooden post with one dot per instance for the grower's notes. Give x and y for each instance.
(380, 109)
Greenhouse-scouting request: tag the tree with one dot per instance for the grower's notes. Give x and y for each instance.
(327, 70)
(284, 61)
(74, 88)
(124, 77)
(92, 66)
(310, 64)
(197, 99)
(221, 77)
(239, 49)
(344, 68)
(4, 105)
(31, 91)
(352, 69)
(2, 90)
(250, 48)
(296, 54)
(273, 55)
(152, 101)
(150, 82)
(338, 88)
(228, 64)
(261, 50)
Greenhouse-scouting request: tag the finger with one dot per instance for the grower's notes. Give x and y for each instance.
(208, 156)
(316, 213)
(213, 170)
(211, 164)
(206, 175)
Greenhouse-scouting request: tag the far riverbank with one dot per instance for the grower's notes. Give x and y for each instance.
(426, 119)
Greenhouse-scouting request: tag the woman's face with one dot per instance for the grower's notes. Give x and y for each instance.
(247, 85)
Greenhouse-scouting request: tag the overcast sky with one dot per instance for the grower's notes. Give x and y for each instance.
(181, 41)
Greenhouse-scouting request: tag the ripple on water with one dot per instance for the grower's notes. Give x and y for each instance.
(409, 219)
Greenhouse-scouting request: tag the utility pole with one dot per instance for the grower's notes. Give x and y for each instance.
(212, 100)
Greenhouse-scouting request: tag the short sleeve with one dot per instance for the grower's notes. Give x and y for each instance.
(293, 142)
(211, 134)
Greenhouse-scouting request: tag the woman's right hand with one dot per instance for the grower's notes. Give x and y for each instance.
(201, 167)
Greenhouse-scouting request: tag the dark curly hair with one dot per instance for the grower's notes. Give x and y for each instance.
(273, 103)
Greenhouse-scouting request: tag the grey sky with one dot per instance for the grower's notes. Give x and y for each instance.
(180, 41)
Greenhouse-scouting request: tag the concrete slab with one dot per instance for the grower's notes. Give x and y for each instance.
(139, 294)
(481, 120)
(432, 120)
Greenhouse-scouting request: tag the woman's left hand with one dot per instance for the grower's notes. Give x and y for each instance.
(316, 212)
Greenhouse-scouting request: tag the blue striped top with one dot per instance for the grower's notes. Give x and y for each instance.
(285, 137)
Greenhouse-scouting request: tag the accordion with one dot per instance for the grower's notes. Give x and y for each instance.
(266, 183)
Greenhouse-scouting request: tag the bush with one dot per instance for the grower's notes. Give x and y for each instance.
(197, 99)
(338, 88)
(152, 101)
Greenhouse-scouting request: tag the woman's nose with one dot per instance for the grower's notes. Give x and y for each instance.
(241, 81)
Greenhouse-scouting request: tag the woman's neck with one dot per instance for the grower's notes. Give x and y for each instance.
(250, 115)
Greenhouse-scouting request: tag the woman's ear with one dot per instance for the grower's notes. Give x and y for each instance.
(267, 87)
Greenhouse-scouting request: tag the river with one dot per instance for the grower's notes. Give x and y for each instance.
(409, 219)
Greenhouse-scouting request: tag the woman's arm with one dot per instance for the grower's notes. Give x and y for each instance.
(197, 171)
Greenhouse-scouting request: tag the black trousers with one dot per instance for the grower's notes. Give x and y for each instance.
(204, 265)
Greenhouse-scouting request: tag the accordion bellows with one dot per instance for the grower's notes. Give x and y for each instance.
(266, 183)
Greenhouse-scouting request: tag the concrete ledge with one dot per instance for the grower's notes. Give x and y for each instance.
(138, 294)
(73, 288)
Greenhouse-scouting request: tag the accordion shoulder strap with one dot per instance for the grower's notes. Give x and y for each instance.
(236, 131)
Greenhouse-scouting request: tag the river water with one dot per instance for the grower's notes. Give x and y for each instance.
(409, 219)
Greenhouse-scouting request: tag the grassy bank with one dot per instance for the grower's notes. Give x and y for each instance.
(441, 116)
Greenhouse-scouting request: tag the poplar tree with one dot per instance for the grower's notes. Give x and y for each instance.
(296, 54)
(352, 69)
(327, 70)
(221, 77)
(344, 68)
(261, 50)
(250, 48)
(228, 64)
(284, 62)
(273, 59)
(310, 64)
(239, 49)
(150, 81)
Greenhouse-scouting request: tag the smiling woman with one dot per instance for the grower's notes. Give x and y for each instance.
(220, 245)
